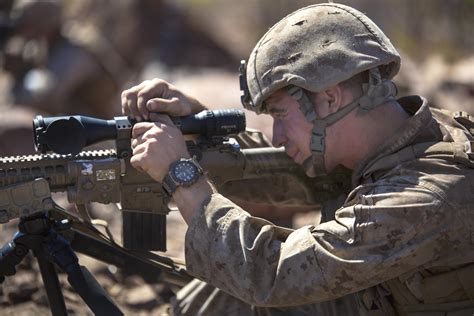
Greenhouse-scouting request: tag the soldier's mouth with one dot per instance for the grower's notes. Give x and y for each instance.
(291, 154)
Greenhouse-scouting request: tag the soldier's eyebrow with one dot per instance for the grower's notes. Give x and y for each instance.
(271, 104)
(269, 101)
(276, 111)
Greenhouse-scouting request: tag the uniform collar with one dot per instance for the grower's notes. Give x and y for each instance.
(421, 116)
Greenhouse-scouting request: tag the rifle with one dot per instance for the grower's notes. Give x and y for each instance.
(106, 176)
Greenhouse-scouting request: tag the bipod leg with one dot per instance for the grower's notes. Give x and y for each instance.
(41, 236)
(11, 255)
(52, 286)
(60, 252)
(14, 252)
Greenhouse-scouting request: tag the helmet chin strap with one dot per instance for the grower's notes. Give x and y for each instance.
(376, 92)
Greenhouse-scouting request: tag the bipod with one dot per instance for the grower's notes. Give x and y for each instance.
(41, 235)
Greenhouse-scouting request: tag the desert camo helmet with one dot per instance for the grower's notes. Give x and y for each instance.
(312, 50)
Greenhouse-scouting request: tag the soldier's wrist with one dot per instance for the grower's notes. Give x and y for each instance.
(190, 199)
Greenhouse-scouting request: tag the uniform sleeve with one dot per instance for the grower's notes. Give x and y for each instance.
(382, 233)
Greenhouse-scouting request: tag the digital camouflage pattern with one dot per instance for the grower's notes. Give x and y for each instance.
(403, 239)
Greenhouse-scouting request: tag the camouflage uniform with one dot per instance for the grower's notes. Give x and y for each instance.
(403, 238)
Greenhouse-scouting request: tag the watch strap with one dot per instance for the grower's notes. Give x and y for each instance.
(170, 184)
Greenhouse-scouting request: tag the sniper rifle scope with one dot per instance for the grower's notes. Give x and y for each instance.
(70, 134)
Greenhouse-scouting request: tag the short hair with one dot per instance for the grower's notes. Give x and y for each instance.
(354, 84)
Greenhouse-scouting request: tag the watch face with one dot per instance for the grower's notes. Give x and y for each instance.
(185, 172)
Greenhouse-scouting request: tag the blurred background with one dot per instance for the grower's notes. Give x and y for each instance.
(75, 57)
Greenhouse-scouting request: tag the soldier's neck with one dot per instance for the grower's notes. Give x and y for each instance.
(366, 133)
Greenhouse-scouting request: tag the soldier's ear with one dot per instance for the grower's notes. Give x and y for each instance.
(328, 101)
(334, 96)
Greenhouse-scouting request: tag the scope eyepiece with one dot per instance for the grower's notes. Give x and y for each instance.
(209, 124)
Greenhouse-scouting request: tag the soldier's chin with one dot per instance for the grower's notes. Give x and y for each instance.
(310, 172)
(308, 167)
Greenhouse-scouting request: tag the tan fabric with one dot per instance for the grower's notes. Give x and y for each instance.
(200, 298)
(315, 48)
(413, 216)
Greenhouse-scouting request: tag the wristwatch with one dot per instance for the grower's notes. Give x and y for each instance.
(183, 172)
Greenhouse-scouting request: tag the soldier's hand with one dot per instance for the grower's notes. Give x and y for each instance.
(157, 145)
(157, 96)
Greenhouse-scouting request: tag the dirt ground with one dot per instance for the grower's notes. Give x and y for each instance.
(24, 293)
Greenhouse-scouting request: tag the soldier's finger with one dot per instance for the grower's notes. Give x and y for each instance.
(129, 101)
(139, 149)
(141, 128)
(171, 106)
(137, 141)
(161, 118)
(154, 133)
(135, 161)
(155, 88)
(125, 110)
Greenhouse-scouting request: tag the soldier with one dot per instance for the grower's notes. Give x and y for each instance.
(402, 240)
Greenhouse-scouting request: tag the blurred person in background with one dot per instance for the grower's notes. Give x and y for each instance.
(455, 88)
(65, 66)
(74, 57)
(51, 71)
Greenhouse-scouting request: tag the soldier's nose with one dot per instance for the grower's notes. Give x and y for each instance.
(278, 138)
